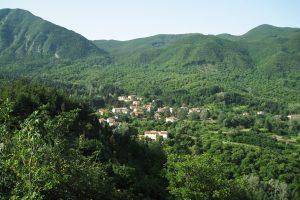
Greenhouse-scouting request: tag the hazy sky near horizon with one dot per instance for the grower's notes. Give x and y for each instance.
(128, 19)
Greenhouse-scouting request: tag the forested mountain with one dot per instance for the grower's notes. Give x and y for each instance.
(273, 49)
(53, 147)
(262, 59)
(234, 101)
(253, 64)
(120, 47)
(266, 31)
(25, 35)
(276, 50)
(178, 50)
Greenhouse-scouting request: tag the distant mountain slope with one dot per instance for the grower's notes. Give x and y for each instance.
(264, 62)
(227, 36)
(186, 49)
(202, 49)
(272, 50)
(137, 45)
(268, 32)
(263, 32)
(23, 34)
(276, 50)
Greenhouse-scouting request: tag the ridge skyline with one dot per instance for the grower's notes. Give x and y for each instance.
(157, 34)
(135, 19)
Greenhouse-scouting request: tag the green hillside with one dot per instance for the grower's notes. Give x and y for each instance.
(266, 31)
(177, 50)
(271, 49)
(25, 35)
(264, 63)
(267, 67)
(119, 47)
(276, 50)
(222, 112)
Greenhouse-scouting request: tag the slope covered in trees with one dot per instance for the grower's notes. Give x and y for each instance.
(25, 35)
(273, 49)
(52, 145)
(263, 63)
(257, 62)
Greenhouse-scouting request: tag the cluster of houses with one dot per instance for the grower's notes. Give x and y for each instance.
(131, 98)
(173, 112)
(110, 121)
(135, 109)
(154, 135)
(138, 109)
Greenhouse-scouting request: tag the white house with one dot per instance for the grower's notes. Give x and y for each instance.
(120, 110)
(122, 98)
(132, 97)
(137, 113)
(102, 111)
(148, 107)
(154, 135)
(293, 117)
(161, 110)
(111, 122)
(171, 119)
(101, 120)
(195, 110)
(136, 103)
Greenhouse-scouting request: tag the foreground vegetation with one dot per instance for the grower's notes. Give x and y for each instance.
(52, 147)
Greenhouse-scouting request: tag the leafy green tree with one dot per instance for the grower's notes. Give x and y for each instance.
(182, 113)
(33, 159)
(7, 178)
(264, 190)
(197, 177)
(194, 116)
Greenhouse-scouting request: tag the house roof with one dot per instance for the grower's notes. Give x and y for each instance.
(150, 132)
(156, 132)
(171, 118)
(163, 132)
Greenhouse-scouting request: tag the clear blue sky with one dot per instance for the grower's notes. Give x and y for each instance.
(128, 19)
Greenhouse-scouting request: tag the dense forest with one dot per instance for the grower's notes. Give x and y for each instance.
(244, 144)
(52, 147)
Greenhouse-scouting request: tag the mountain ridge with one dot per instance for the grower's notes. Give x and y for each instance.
(171, 62)
(23, 34)
(266, 46)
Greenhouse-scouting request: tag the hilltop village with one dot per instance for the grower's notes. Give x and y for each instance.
(136, 107)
